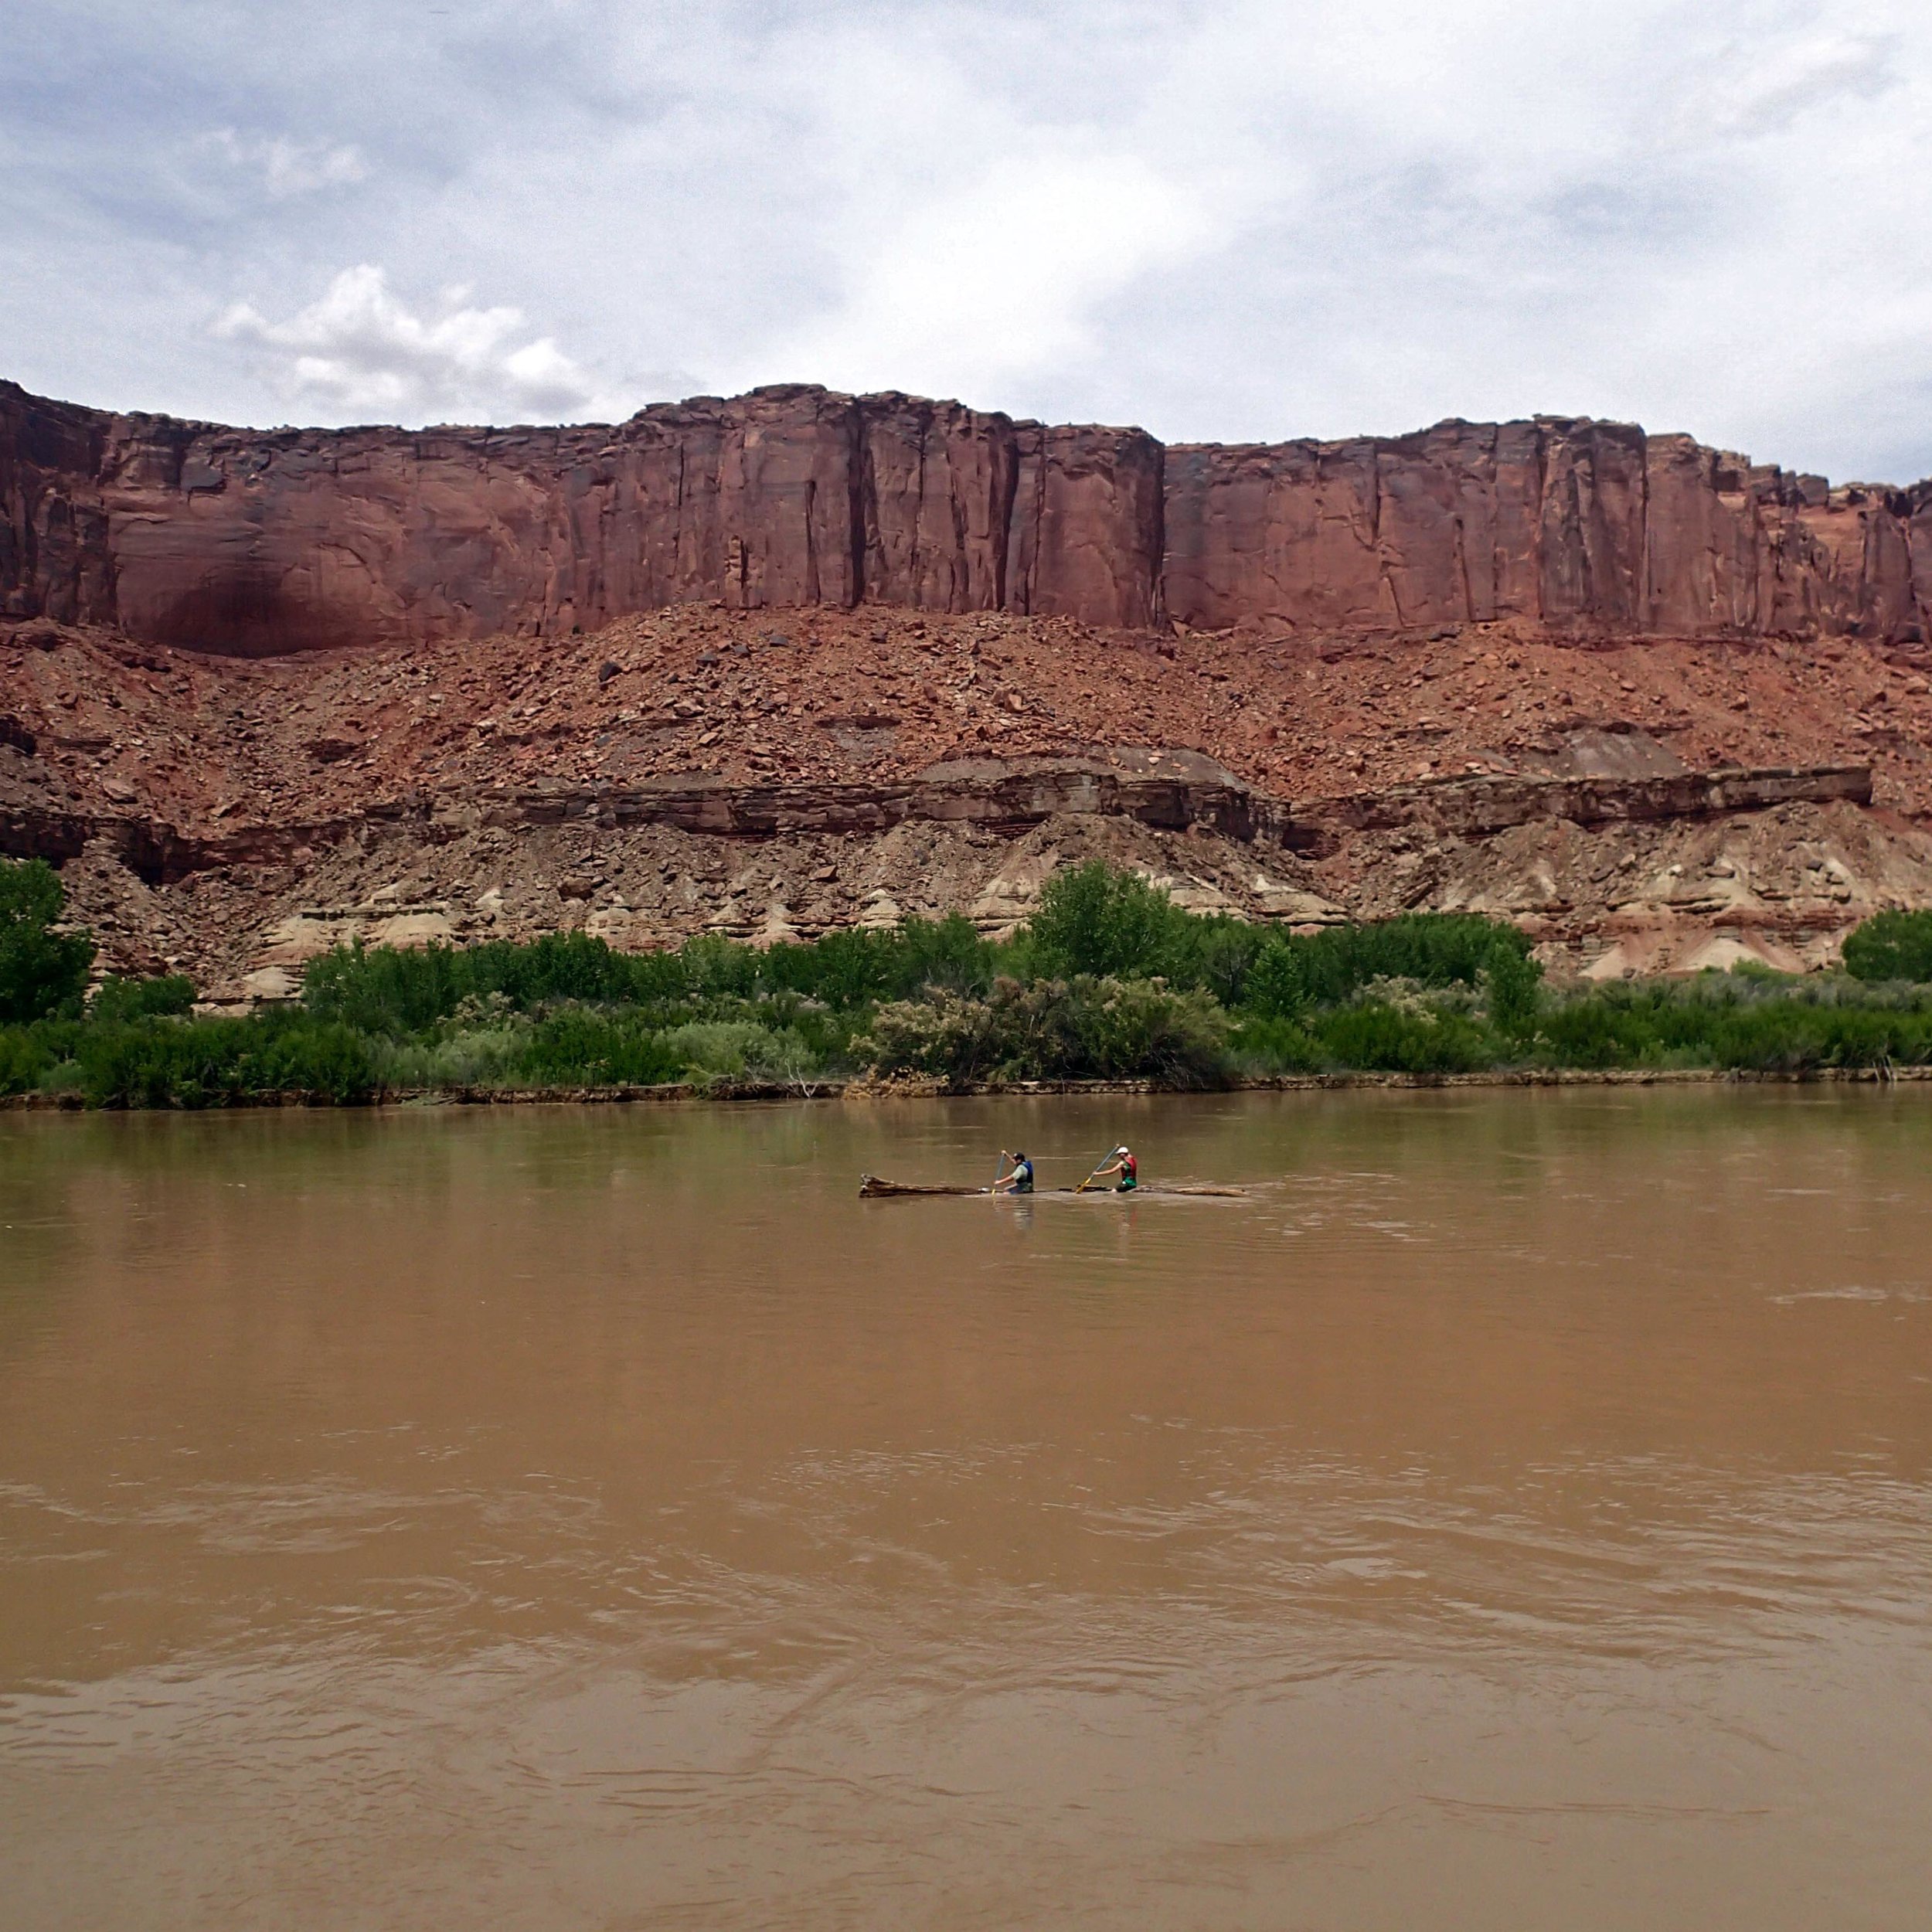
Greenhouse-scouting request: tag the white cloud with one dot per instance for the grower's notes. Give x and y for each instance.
(1233, 218)
(1764, 92)
(999, 277)
(360, 349)
(288, 167)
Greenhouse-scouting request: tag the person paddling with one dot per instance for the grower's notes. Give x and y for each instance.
(1020, 1181)
(1126, 1167)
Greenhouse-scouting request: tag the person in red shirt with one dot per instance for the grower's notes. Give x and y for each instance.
(1126, 1167)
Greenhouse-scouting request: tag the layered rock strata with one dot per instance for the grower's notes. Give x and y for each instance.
(714, 770)
(1575, 525)
(1006, 800)
(1780, 885)
(256, 543)
(260, 543)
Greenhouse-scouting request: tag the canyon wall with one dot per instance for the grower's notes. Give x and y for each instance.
(258, 543)
(1575, 526)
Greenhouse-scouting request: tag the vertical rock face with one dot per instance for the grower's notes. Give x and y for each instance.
(257, 542)
(1086, 536)
(54, 544)
(1577, 525)
(936, 485)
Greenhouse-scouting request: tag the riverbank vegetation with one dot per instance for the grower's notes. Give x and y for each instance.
(1109, 980)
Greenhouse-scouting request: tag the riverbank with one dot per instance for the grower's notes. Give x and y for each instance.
(1111, 988)
(687, 1093)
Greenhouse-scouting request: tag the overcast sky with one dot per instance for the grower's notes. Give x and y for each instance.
(1237, 220)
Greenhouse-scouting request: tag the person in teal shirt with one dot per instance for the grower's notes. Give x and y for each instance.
(1020, 1181)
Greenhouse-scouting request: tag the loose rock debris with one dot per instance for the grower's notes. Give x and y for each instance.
(234, 817)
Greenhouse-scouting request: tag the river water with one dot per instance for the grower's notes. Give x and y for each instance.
(1515, 1510)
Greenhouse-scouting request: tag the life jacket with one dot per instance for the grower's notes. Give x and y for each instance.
(1022, 1177)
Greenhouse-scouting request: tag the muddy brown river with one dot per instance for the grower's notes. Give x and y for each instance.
(1515, 1512)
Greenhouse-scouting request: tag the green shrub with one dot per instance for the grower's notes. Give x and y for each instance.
(41, 972)
(1589, 1033)
(115, 999)
(1140, 1029)
(386, 989)
(852, 968)
(1220, 958)
(215, 1063)
(465, 1056)
(1378, 1038)
(478, 1056)
(394, 991)
(743, 1050)
(1085, 1028)
(716, 967)
(946, 952)
(1432, 949)
(1095, 920)
(953, 1036)
(560, 966)
(1891, 945)
(1738, 1022)
(715, 1048)
(28, 1055)
(1424, 994)
(1277, 987)
(843, 968)
(1266, 1043)
(578, 1047)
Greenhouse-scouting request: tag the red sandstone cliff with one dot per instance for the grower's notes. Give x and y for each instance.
(258, 542)
(1573, 524)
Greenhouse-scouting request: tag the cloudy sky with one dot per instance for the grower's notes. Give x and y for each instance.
(1234, 219)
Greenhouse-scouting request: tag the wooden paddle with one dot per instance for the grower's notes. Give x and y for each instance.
(1097, 1165)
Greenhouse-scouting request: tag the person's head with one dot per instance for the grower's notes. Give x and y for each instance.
(1018, 1158)
(1120, 1154)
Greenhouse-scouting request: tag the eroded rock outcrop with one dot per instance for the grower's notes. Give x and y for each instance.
(990, 794)
(1572, 525)
(708, 769)
(1773, 865)
(256, 543)
(260, 543)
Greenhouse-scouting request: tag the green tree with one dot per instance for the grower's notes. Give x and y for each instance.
(42, 971)
(1891, 945)
(1277, 987)
(1513, 982)
(116, 999)
(1096, 921)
